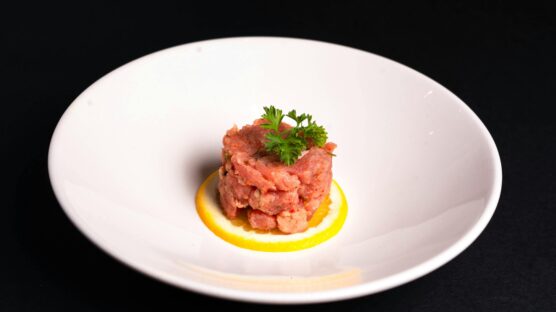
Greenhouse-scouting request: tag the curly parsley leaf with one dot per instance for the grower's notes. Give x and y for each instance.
(274, 117)
(288, 148)
(317, 134)
(289, 144)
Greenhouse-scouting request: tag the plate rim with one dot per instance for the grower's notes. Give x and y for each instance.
(342, 293)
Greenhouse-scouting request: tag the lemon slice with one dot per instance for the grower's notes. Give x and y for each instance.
(327, 220)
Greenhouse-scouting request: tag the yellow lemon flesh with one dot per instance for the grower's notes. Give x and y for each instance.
(327, 220)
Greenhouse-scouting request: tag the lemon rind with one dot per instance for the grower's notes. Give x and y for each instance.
(212, 216)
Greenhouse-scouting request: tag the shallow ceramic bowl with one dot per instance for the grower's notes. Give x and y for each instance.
(420, 171)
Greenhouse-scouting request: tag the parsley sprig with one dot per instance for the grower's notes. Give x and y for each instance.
(289, 144)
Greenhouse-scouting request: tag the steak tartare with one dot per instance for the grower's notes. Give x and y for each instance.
(272, 194)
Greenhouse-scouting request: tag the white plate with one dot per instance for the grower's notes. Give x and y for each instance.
(420, 171)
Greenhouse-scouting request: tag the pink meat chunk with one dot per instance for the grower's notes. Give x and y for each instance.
(292, 221)
(260, 220)
(274, 194)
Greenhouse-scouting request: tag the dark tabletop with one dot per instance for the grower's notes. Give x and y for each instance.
(500, 59)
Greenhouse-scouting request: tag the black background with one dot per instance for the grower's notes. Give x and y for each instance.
(499, 58)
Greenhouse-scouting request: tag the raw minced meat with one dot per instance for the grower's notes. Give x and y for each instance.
(275, 195)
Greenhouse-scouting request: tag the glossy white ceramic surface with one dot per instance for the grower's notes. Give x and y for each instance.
(420, 171)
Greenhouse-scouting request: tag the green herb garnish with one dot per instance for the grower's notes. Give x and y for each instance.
(289, 144)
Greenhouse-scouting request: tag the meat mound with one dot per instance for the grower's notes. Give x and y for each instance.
(274, 195)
